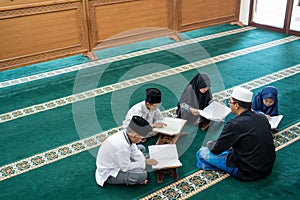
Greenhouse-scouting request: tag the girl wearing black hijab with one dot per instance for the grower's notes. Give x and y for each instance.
(196, 96)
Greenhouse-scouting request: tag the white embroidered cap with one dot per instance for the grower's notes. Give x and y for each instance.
(242, 94)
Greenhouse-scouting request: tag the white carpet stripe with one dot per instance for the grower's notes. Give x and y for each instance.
(136, 81)
(38, 160)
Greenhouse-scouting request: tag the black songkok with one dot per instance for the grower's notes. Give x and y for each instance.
(140, 126)
(153, 95)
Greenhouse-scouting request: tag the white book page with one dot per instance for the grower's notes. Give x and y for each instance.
(205, 114)
(215, 111)
(275, 120)
(174, 126)
(165, 154)
(167, 164)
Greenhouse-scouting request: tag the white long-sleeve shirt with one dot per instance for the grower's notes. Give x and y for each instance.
(141, 110)
(117, 154)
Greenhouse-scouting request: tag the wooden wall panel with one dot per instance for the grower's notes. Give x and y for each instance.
(202, 13)
(119, 22)
(38, 30)
(20, 2)
(36, 33)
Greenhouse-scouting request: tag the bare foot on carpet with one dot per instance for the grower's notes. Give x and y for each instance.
(144, 182)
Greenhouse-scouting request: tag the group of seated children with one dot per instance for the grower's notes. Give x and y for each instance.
(121, 161)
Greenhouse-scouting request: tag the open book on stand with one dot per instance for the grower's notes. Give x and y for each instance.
(275, 120)
(165, 154)
(215, 111)
(174, 126)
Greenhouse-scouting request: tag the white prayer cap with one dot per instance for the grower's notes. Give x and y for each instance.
(242, 94)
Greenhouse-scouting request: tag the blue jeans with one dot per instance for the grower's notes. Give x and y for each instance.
(209, 161)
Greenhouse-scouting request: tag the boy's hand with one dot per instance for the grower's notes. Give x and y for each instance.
(194, 111)
(158, 125)
(151, 161)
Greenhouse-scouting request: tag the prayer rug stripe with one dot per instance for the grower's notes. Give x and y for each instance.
(76, 147)
(201, 180)
(119, 58)
(136, 81)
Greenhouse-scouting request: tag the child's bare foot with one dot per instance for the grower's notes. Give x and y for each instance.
(144, 182)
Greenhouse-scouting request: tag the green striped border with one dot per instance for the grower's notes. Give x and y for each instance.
(136, 81)
(76, 147)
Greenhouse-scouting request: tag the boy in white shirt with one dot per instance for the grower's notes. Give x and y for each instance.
(119, 161)
(147, 109)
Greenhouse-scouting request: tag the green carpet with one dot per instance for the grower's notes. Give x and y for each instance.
(283, 183)
(73, 176)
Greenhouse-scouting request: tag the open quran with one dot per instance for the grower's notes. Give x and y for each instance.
(165, 154)
(173, 127)
(215, 111)
(275, 120)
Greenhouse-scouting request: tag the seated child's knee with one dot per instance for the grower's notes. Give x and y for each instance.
(136, 178)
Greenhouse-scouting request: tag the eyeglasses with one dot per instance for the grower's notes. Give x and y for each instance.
(231, 102)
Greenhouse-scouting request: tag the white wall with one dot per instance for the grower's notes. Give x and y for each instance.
(244, 11)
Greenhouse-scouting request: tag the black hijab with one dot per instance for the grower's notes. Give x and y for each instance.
(201, 80)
